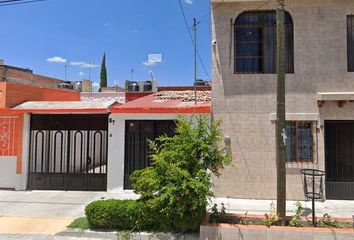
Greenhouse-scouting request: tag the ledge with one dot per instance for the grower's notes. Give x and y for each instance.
(340, 97)
(245, 232)
(335, 96)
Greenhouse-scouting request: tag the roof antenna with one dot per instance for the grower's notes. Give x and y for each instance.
(152, 75)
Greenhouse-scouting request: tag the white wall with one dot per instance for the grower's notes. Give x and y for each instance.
(116, 142)
(8, 176)
(23, 177)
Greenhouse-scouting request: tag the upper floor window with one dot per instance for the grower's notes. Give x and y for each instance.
(256, 43)
(350, 39)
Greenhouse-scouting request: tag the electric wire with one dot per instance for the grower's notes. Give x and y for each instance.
(18, 2)
(244, 9)
(190, 35)
(209, 13)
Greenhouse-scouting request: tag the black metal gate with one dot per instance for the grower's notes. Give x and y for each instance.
(339, 149)
(68, 152)
(137, 134)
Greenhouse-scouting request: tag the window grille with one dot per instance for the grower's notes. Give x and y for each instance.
(256, 42)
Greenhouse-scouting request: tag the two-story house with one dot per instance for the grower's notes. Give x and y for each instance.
(319, 94)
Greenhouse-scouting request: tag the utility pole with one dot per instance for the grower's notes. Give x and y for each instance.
(195, 59)
(131, 74)
(65, 67)
(90, 70)
(280, 123)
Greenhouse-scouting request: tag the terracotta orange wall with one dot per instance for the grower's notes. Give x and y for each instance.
(131, 96)
(60, 95)
(18, 136)
(2, 94)
(20, 93)
(16, 94)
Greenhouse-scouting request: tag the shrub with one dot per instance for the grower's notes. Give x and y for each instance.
(328, 222)
(295, 221)
(176, 188)
(113, 214)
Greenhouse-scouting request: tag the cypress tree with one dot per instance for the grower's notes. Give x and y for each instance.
(103, 82)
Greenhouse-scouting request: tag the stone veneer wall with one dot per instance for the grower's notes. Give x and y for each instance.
(247, 102)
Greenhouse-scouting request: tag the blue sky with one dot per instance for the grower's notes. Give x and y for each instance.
(80, 31)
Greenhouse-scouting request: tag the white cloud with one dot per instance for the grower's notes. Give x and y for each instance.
(83, 64)
(89, 65)
(74, 63)
(189, 1)
(56, 59)
(149, 63)
(81, 74)
(95, 85)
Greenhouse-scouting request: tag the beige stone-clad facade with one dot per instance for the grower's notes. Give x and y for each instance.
(247, 102)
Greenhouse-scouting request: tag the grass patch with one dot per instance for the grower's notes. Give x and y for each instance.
(80, 223)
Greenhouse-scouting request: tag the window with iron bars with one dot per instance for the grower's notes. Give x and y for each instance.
(256, 42)
(300, 141)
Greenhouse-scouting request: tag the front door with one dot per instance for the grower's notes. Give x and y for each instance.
(339, 154)
(137, 134)
(68, 152)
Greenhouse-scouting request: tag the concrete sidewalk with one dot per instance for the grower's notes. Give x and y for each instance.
(45, 212)
(335, 208)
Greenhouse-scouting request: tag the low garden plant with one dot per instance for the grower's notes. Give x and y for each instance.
(217, 216)
(272, 218)
(175, 189)
(296, 219)
(113, 214)
(328, 222)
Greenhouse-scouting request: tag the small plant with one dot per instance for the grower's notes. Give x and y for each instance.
(125, 235)
(214, 214)
(328, 222)
(217, 216)
(272, 218)
(295, 221)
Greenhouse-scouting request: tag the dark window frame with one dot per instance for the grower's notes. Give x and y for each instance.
(350, 43)
(296, 150)
(260, 25)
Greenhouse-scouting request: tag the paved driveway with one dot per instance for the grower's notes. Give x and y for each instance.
(46, 212)
(51, 203)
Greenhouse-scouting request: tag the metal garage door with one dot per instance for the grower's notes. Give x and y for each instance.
(339, 148)
(68, 152)
(137, 134)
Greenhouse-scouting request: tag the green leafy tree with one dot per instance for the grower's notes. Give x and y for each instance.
(103, 82)
(176, 188)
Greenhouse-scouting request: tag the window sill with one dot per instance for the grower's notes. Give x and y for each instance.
(244, 73)
(300, 165)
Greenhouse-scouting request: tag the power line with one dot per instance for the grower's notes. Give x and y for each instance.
(219, 4)
(17, 2)
(209, 13)
(190, 35)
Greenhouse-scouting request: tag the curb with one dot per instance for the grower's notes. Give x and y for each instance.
(87, 234)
